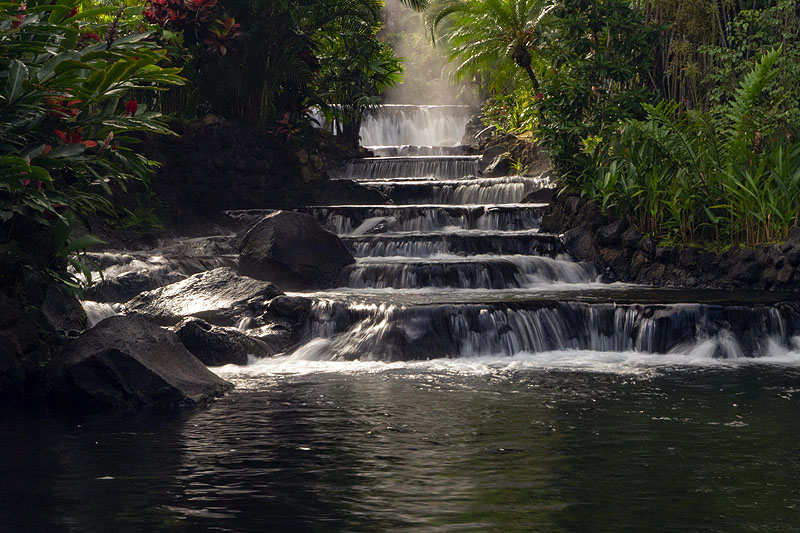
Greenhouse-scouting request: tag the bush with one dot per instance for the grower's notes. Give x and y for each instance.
(65, 119)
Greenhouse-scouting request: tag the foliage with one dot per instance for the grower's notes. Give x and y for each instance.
(724, 176)
(492, 38)
(64, 123)
(751, 34)
(355, 69)
(598, 58)
(515, 113)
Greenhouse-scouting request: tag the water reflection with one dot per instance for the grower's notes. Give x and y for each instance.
(711, 450)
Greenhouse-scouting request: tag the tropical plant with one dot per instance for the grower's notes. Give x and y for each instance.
(490, 38)
(721, 177)
(598, 58)
(64, 123)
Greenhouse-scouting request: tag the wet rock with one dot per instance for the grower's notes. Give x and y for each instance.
(279, 335)
(542, 196)
(500, 166)
(219, 296)
(293, 251)
(63, 311)
(123, 287)
(295, 308)
(129, 362)
(580, 245)
(217, 346)
(611, 234)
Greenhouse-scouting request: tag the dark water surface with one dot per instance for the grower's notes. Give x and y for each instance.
(426, 447)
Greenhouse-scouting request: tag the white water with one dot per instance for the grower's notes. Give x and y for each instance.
(310, 360)
(398, 125)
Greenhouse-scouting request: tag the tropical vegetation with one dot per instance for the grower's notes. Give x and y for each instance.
(681, 116)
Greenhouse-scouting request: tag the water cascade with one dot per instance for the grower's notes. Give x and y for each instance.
(454, 265)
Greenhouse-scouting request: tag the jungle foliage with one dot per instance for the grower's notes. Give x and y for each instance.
(681, 116)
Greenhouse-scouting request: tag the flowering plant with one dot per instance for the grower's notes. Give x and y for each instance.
(63, 128)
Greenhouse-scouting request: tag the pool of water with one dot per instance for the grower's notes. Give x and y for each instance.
(609, 444)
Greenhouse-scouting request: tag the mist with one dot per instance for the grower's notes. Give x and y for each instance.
(426, 77)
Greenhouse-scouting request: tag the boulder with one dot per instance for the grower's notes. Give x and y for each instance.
(542, 196)
(293, 251)
(217, 345)
(129, 362)
(63, 311)
(499, 166)
(611, 234)
(580, 245)
(219, 296)
(123, 287)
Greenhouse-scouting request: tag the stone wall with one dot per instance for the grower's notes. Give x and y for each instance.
(625, 255)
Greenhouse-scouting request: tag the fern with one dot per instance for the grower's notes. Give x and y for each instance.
(749, 90)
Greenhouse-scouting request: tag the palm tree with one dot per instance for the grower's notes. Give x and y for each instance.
(487, 36)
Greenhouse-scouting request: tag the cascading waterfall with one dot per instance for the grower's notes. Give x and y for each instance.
(403, 125)
(503, 288)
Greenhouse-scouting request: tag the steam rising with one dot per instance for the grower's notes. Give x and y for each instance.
(426, 80)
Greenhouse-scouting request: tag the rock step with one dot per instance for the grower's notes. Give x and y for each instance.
(507, 189)
(389, 332)
(480, 271)
(466, 242)
(441, 166)
(415, 150)
(363, 219)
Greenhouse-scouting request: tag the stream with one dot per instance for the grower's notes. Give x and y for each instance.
(468, 375)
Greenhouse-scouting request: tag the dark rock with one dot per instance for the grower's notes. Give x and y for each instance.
(687, 257)
(793, 257)
(123, 287)
(280, 336)
(580, 245)
(216, 345)
(611, 234)
(293, 307)
(500, 166)
(785, 274)
(746, 271)
(542, 196)
(63, 311)
(794, 236)
(647, 246)
(631, 239)
(490, 155)
(220, 296)
(128, 362)
(664, 254)
(293, 251)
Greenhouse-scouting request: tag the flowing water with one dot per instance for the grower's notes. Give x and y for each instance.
(468, 375)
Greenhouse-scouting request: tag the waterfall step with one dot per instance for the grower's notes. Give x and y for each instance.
(389, 332)
(363, 219)
(465, 242)
(441, 166)
(414, 150)
(458, 191)
(399, 124)
(470, 272)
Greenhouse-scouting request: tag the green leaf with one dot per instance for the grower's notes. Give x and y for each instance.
(79, 243)
(17, 73)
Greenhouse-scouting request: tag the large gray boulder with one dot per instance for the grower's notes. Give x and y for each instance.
(128, 362)
(217, 345)
(293, 251)
(219, 296)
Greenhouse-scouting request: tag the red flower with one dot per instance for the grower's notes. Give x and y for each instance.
(71, 136)
(131, 107)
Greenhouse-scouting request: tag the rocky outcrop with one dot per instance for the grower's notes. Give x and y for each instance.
(217, 345)
(219, 296)
(625, 255)
(128, 362)
(293, 251)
